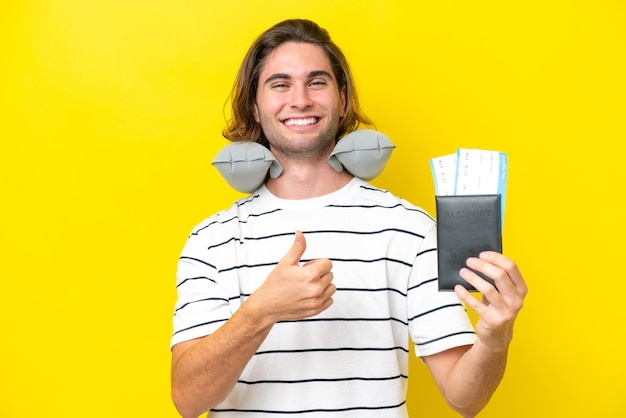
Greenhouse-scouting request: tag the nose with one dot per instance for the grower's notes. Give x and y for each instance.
(300, 97)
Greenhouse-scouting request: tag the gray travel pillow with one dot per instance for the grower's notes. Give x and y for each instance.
(245, 164)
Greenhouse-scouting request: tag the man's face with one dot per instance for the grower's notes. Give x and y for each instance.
(298, 102)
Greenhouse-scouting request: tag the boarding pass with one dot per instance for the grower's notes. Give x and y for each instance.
(471, 172)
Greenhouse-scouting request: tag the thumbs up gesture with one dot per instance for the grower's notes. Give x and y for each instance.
(293, 291)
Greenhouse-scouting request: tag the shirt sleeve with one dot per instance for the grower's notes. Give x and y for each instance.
(202, 305)
(437, 320)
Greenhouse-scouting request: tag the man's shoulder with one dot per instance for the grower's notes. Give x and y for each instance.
(229, 217)
(386, 199)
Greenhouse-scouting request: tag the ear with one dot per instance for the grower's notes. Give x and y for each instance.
(255, 111)
(342, 102)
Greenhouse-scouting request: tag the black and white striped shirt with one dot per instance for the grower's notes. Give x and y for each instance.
(352, 359)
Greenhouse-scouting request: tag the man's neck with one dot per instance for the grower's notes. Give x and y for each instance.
(307, 180)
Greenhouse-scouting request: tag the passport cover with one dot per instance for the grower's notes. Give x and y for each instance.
(466, 226)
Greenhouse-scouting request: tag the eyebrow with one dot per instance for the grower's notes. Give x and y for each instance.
(312, 74)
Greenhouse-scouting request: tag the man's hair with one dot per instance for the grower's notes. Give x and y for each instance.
(242, 126)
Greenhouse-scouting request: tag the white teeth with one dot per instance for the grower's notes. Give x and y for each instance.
(300, 122)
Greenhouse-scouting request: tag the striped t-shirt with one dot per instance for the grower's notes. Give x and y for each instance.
(352, 359)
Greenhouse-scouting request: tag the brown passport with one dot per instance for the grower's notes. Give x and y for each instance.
(466, 226)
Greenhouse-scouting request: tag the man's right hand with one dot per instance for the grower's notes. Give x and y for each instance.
(293, 291)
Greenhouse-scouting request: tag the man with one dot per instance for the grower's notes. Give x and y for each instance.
(299, 299)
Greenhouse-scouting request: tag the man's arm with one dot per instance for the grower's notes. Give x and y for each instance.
(205, 370)
(468, 376)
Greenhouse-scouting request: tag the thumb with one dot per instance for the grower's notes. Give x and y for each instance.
(295, 252)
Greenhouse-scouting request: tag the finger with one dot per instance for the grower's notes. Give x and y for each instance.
(294, 254)
(478, 274)
(319, 266)
(469, 299)
(503, 296)
(507, 265)
(490, 294)
(502, 271)
(514, 288)
(326, 278)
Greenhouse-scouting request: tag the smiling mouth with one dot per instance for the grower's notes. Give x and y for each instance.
(301, 122)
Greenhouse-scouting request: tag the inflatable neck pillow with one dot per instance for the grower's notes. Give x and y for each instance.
(246, 164)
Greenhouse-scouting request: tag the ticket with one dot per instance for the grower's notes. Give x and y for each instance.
(471, 172)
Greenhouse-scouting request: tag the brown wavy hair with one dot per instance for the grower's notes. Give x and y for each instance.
(242, 126)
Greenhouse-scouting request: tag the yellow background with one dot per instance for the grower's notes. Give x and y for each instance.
(111, 111)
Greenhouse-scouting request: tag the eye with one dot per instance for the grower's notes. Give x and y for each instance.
(280, 86)
(318, 83)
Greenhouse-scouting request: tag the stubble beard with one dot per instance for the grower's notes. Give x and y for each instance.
(302, 148)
